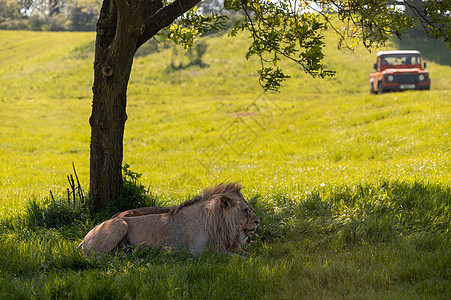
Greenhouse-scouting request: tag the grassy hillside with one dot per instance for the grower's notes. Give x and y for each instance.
(353, 189)
(179, 129)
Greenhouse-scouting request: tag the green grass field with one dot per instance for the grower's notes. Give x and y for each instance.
(353, 189)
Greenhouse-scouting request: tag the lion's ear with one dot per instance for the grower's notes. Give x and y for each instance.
(227, 202)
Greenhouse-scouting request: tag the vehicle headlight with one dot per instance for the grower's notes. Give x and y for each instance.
(421, 77)
(390, 78)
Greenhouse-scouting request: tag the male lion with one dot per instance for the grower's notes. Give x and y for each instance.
(220, 219)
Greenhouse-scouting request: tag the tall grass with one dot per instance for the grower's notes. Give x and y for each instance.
(389, 239)
(353, 189)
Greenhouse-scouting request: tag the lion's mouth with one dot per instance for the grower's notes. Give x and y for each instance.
(249, 233)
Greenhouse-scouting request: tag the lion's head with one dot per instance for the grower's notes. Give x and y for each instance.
(220, 219)
(230, 220)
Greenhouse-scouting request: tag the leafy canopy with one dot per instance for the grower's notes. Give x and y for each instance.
(293, 29)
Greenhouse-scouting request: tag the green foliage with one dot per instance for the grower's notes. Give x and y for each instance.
(82, 18)
(376, 23)
(50, 15)
(271, 78)
(431, 50)
(278, 31)
(437, 12)
(133, 193)
(364, 214)
(9, 14)
(190, 26)
(73, 219)
(195, 54)
(54, 214)
(192, 57)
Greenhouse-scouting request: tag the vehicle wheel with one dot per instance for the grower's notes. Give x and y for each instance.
(380, 89)
(371, 89)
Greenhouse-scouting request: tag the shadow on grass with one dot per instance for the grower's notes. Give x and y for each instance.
(45, 236)
(370, 213)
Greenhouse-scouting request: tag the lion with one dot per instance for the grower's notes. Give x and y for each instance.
(220, 220)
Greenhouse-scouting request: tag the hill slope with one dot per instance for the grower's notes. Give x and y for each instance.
(352, 189)
(200, 125)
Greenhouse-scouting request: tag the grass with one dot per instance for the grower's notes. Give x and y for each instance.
(353, 189)
(385, 240)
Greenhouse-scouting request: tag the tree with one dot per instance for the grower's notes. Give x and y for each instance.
(31, 14)
(81, 15)
(433, 16)
(9, 12)
(281, 29)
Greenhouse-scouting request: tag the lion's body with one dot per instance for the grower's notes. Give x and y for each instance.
(220, 219)
(156, 230)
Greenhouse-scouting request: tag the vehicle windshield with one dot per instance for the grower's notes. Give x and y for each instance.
(400, 59)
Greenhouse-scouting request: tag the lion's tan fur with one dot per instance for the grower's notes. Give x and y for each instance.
(220, 219)
(142, 211)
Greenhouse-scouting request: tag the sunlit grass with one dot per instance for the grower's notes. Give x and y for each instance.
(353, 189)
(178, 131)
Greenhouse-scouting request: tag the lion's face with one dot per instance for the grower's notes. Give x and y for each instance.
(246, 219)
(240, 218)
(249, 221)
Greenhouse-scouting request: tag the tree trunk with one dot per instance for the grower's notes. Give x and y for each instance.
(117, 32)
(107, 131)
(123, 26)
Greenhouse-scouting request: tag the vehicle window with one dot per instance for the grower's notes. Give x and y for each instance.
(395, 60)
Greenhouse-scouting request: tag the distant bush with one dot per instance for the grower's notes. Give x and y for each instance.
(28, 15)
(431, 49)
(192, 57)
(81, 18)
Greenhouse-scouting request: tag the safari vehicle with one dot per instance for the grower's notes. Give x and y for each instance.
(399, 70)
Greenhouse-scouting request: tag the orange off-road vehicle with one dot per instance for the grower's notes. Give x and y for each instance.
(399, 70)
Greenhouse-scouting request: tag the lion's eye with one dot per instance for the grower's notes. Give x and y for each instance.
(246, 212)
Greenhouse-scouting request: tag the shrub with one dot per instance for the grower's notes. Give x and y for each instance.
(75, 218)
(133, 193)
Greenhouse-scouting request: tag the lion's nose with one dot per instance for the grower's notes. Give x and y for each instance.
(256, 222)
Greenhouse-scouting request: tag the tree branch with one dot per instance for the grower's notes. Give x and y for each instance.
(163, 18)
(434, 18)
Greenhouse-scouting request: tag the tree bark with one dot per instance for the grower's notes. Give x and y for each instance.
(107, 130)
(118, 29)
(123, 26)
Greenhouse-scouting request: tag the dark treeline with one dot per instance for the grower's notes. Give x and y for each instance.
(59, 15)
(52, 15)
